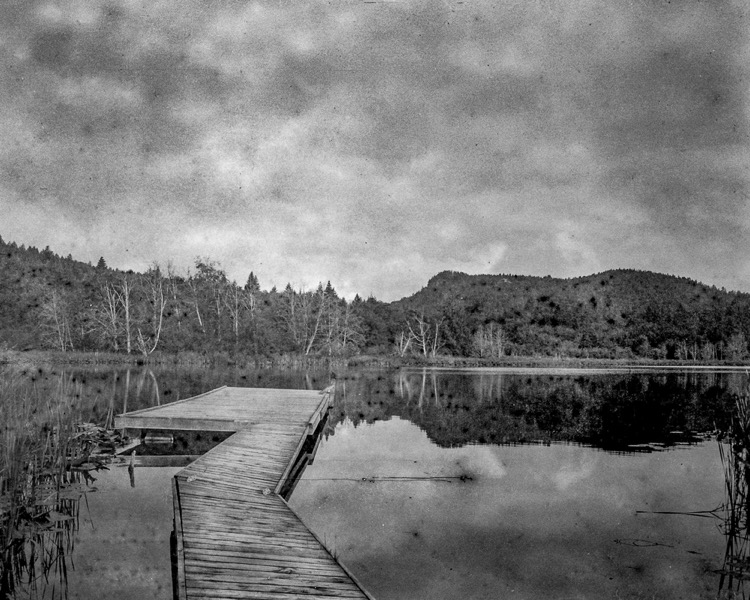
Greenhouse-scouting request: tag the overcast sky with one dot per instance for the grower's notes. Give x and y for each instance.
(375, 144)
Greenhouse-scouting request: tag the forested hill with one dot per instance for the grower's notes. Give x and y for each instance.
(618, 312)
(47, 301)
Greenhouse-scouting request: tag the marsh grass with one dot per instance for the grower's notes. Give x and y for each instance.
(44, 472)
(734, 452)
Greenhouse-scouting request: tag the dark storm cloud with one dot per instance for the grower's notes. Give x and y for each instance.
(159, 77)
(668, 122)
(530, 137)
(671, 99)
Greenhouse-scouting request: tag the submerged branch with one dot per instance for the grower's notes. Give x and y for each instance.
(447, 478)
(710, 514)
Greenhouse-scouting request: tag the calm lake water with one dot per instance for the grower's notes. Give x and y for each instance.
(456, 484)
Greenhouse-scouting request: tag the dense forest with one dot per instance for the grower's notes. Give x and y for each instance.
(614, 314)
(47, 301)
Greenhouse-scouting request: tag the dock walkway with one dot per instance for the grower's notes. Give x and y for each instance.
(236, 536)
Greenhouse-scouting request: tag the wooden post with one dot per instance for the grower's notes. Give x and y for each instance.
(178, 590)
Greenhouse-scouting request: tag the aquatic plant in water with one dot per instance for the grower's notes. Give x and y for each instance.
(734, 451)
(45, 470)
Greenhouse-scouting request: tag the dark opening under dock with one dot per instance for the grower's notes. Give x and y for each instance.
(236, 536)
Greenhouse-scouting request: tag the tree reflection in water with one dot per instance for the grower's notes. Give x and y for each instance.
(620, 412)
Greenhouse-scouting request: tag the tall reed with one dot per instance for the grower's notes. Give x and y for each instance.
(734, 451)
(40, 486)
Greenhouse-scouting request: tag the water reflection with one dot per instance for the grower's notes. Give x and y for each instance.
(122, 545)
(416, 520)
(102, 392)
(46, 469)
(38, 531)
(459, 474)
(616, 411)
(527, 513)
(56, 422)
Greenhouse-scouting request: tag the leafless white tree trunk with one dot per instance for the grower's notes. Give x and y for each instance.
(403, 342)
(125, 297)
(489, 341)
(55, 317)
(420, 333)
(196, 300)
(172, 291)
(108, 316)
(350, 328)
(313, 323)
(436, 344)
(154, 290)
(234, 301)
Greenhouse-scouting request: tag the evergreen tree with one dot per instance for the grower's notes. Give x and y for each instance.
(329, 291)
(252, 284)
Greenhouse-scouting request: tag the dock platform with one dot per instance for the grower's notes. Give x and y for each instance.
(236, 536)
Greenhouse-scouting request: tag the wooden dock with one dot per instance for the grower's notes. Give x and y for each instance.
(236, 536)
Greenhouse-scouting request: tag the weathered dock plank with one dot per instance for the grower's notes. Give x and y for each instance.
(236, 536)
(228, 409)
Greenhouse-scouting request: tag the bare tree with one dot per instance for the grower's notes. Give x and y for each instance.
(172, 291)
(350, 328)
(436, 343)
(195, 298)
(736, 348)
(154, 291)
(56, 320)
(708, 351)
(426, 337)
(288, 314)
(420, 333)
(313, 309)
(403, 342)
(248, 298)
(489, 341)
(237, 302)
(210, 281)
(250, 304)
(108, 316)
(342, 328)
(125, 292)
(303, 315)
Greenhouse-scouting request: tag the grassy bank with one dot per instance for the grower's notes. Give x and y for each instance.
(51, 358)
(37, 358)
(529, 361)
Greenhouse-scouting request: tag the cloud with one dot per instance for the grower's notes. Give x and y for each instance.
(375, 145)
(576, 251)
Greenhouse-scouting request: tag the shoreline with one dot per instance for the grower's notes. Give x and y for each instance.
(222, 359)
